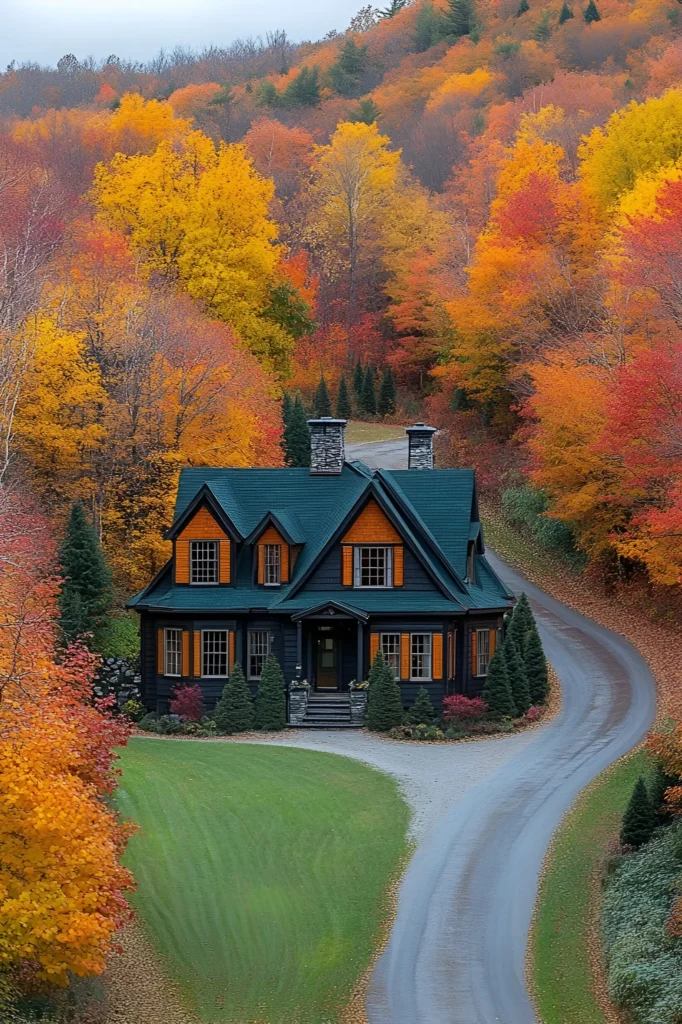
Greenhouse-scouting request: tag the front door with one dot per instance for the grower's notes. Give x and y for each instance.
(327, 660)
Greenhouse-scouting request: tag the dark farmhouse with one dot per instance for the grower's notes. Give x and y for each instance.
(323, 567)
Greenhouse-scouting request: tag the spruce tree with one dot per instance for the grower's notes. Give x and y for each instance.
(497, 692)
(366, 112)
(522, 8)
(234, 712)
(639, 820)
(516, 674)
(428, 27)
(322, 404)
(270, 711)
(387, 395)
(297, 437)
(394, 7)
(535, 664)
(565, 13)
(384, 702)
(304, 90)
(591, 13)
(369, 400)
(358, 384)
(421, 712)
(521, 620)
(344, 409)
(86, 592)
(460, 18)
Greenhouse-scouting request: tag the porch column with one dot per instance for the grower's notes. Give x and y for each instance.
(360, 672)
(299, 649)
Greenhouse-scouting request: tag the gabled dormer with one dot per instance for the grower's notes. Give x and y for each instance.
(277, 541)
(203, 544)
(372, 551)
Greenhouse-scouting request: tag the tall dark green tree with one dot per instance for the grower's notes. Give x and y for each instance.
(460, 18)
(497, 692)
(422, 711)
(387, 394)
(521, 620)
(296, 441)
(384, 703)
(565, 14)
(366, 112)
(86, 593)
(428, 27)
(523, 8)
(516, 673)
(369, 399)
(304, 90)
(639, 820)
(358, 383)
(345, 75)
(271, 708)
(322, 403)
(394, 7)
(344, 410)
(535, 664)
(235, 712)
(591, 13)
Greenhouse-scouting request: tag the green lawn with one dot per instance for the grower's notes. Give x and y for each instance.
(362, 433)
(562, 977)
(262, 872)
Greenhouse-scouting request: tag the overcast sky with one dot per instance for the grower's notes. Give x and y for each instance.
(44, 30)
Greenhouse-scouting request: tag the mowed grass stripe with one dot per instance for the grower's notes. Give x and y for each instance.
(262, 872)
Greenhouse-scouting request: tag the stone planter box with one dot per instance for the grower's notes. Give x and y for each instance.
(358, 706)
(298, 703)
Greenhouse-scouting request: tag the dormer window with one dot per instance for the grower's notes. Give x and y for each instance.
(273, 565)
(204, 562)
(373, 566)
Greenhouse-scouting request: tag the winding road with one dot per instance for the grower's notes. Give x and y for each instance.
(456, 953)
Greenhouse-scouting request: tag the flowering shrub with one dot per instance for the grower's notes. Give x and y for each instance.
(187, 703)
(534, 713)
(134, 710)
(459, 707)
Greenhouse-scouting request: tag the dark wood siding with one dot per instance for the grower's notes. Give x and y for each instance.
(327, 576)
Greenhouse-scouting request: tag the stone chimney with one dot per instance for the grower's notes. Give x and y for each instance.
(327, 446)
(420, 442)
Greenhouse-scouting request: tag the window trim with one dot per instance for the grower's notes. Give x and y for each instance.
(278, 582)
(205, 583)
(429, 676)
(227, 654)
(166, 631)
(397, 652)
(357, 566)
(487, 631)
(249, 634)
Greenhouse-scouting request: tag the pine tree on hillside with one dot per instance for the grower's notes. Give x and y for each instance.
(422, 711)
(639, 820)
(565, 13)
(542, 30)
(344, 409)
(271, 709)
(535, 664)
(322, 403)
(523, 8)
(369, 400)
(297, 437)
(591, 13)
(366, 112)
(384, 703)
(497, 692)
(234, 712)
(428, 27)
(86, 592)
(516, 674)
(394, 7)
(387, 394)
(304, 90)
(358, 384)
(460, 19)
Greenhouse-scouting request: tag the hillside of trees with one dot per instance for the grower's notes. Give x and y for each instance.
(484, 196)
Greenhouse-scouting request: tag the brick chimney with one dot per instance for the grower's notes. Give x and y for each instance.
(327, 446)
(420, 444)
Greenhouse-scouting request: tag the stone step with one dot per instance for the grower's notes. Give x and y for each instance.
(325, 725)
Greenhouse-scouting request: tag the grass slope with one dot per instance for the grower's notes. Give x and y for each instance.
(262, 872)
(562, 974)
(363, 433)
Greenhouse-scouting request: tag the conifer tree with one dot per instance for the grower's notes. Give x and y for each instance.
(366, 112)
(639, 820)
(387, 394)
(369, 400)
(297, 437)
(394, 7)
(497, 692)
(591, 13)
(535, 664)
(304, 90)
(565, 14)
(384, 703)
(86, 592)
(516, 673)
(322, 404)
(358, 384)
(460, 18)
(521, 620)
(522, 8)
(344, 409)
(428, 27)
(270, 710)
(234, 712)
(421, 712)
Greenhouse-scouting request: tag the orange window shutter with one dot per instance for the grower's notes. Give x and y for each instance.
(182, 561)
(398, 566)
(347, 565)
(284, 563)
(224, 561)
(160, 661)
(373, 646)
(473, 653)
(493, 642)
(185, 652)
(197, 655)
(261, 563)
(405, 656)
(437, 652)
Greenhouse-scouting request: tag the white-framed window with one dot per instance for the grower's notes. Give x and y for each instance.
(373, 566)
(390, 648)
(272, 565)
(482, 651)
(259, 649)
(214, 646)
(172, 652)
(203, 561)
(420, 656)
